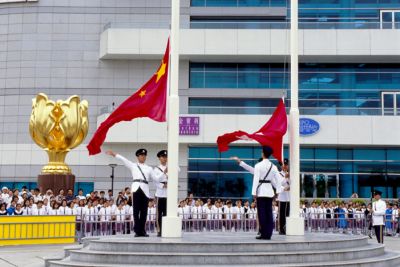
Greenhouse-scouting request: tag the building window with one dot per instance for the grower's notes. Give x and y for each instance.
(391, 103)
(253, 106)
(390, 19)
(325, 89)
(237, 3)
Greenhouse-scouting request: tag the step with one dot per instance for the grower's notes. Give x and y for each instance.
(198, 258)
(389, 259)
(214, 244)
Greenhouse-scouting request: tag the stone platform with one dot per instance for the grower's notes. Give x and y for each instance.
(227, 249)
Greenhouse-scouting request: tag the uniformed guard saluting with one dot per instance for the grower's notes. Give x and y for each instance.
(141, 174)
(266, 176)
(160, 178)
(284, 197)
(378, 213)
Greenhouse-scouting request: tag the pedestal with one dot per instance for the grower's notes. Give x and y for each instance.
(294, 226)
(172, 227)
(56, 182)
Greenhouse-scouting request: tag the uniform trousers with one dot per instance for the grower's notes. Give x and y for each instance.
(140, 205)
(379, 232)
(161, 211)
(284, 208)
(264, 206)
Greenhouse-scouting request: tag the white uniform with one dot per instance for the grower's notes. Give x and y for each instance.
(378, 212)
(159, 179)
(265, 189)
(64, 211)
(197, 212)
(79, 212)
(284, 196)
(247, 167)
(137, 174)
(41, 211)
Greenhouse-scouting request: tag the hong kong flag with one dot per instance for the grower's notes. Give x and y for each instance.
(149, 101)
(271, 134)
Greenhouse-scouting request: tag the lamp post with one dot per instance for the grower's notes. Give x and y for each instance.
(113, 166)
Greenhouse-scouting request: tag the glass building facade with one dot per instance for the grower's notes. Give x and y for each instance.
(325, 89)
(325, 171)
(313, 14)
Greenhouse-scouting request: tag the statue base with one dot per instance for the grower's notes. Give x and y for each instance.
(56, 182)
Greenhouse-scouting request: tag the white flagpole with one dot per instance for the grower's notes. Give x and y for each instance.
(172, 224)
(294, 224)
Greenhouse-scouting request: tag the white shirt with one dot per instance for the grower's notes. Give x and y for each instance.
(247, 167)
(197, 212)
(395, 214)
(120, 215)
(41, 211)
(79, 212)
(151, 214)
(137, 175)
(217, 213)
(209, 213)
(284, 196)
(53, 212)
(239, 212)
(90, 214)
(229, 212)
(27, 210)
(159, 178)
(378, 212)
(265, 189)
(37, 198)
(252, 213)
(64, 211)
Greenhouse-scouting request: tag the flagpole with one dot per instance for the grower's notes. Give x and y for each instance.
(294, 224)
(172, 224)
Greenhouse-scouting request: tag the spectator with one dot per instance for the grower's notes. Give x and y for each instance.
(11, 209)
(110, 195)
(3, 210)
(18, 210)
(37, 196)
(60, 197)
(70, 196)
(354, 195)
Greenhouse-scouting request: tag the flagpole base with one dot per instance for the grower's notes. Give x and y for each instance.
(171, 227)
(294, 226)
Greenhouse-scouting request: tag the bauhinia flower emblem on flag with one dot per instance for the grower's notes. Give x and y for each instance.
(271, 134)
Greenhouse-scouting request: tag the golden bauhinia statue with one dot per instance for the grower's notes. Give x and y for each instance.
(58, 127)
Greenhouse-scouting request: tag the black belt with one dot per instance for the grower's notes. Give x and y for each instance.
(264, 182)
(140, 181)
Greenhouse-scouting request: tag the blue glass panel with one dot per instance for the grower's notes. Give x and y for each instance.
(87, 187)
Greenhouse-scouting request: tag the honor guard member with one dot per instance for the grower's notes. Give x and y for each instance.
(266, 176)
(160, 178)
(378, 213)
(141, 174)
(284, 197)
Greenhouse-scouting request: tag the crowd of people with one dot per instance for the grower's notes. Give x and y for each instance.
(197, 214)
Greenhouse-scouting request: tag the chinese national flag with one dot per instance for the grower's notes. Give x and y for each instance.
(271, 134)
(149, 101)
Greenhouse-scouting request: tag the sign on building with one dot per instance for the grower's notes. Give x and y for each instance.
(189, 125)
(308, 126)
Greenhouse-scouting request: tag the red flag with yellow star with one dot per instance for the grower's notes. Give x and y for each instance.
(149, 101)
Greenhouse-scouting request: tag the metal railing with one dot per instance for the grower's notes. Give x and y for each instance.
(343, 223)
